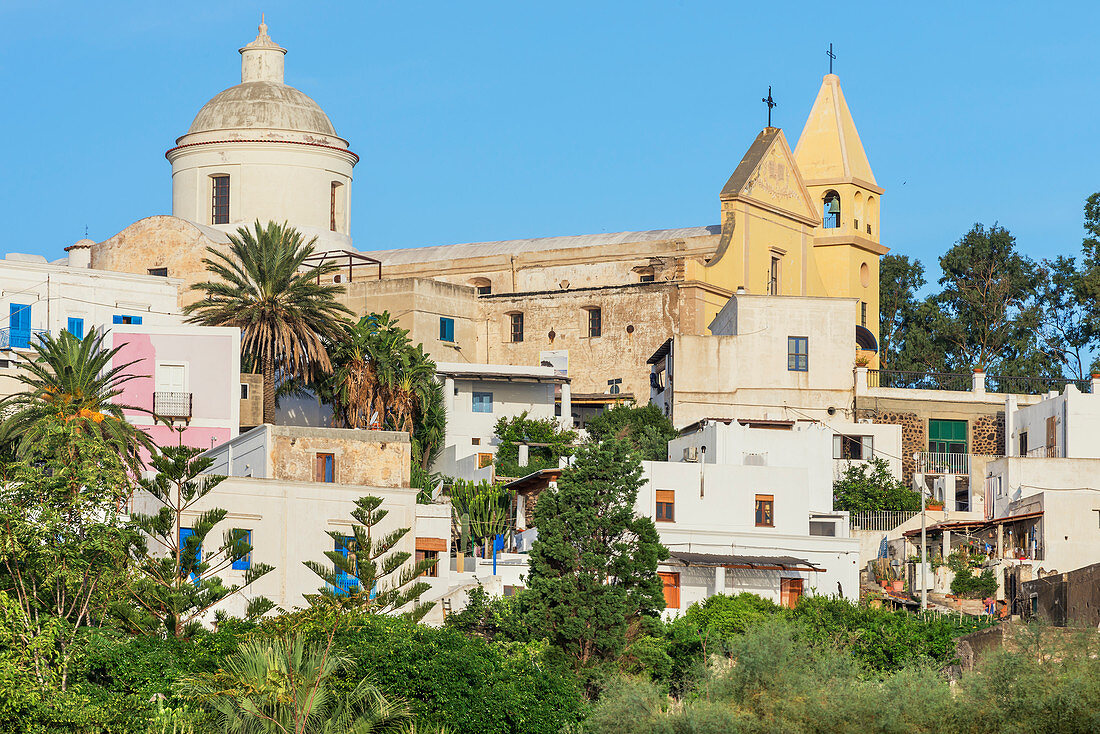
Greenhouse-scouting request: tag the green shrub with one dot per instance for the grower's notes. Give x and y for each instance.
(731, 615)
(968, 586)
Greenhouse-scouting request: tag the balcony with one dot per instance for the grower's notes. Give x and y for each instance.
(173, 405)
(20, 338)
(936, 463)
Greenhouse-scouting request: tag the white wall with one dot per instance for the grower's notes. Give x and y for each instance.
(1077, 425)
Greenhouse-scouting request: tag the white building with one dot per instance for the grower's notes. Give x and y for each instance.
(750, 509)
(289, 486)
(476, 396)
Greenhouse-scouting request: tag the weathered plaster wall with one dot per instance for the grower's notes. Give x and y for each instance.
(636, 320)
(377, 458)
(252, 408)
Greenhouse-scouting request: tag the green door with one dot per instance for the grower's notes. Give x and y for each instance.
(946, 437)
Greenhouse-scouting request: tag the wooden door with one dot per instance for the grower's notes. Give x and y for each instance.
(671, 583)
(790, 591)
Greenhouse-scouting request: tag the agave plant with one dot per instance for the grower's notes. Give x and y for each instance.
(77, 381)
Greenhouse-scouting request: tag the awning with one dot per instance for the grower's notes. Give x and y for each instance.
(598, 398)
(538, 480)
(762, 563)
(973, 524)
(865, 339)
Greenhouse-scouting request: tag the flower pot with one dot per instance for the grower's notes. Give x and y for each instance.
(885, 584)
(899, 586)
(935, 508)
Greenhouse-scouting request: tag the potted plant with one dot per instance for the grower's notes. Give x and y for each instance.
(934, 505)
(899, 585)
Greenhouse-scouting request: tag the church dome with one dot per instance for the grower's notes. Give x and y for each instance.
(262, 104)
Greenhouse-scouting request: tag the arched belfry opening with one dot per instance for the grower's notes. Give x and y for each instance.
(831, 209)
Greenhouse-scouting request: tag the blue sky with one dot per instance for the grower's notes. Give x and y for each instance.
(484, 120)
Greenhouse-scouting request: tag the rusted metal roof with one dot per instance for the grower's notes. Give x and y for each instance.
(781, 563)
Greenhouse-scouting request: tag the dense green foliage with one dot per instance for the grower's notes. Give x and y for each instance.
(479, 512)
(593, 567)
(646, 428)
(547, 443)
(871, 487)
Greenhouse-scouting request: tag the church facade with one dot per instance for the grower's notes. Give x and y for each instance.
(799, 223)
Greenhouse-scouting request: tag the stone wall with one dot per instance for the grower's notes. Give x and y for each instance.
(987, 435)
(636, 320)
(914, 436)
(372, 458)
(252, 408)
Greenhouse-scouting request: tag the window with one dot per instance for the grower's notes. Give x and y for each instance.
(162, 272)
(798, 353)
(863, 313)
(614, 387)
(428, 549)
(120, 318)
(666, 505)
(647, 278)
(1023, 443)
(345, 582)
(823, 528)
(19, 326)
(946, 437)
(219, 213)
(422, 555)
(515, 321)
(484, 459)
(475, 441)
(831, 219)
(595, 321)
(245, 563)
(483, 402)
(483, 286)
(325, 470)
(244, 391)
(1052, 438)
(332, 207)
(859, 448)
(484, 290)
(773, 276)
(75, 326)
(790, 591)
(171, 377)
(446, 329)
(195, 555)
(765, 505)
(671, 583)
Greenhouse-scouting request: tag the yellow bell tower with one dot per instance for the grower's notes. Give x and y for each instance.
(846, 242)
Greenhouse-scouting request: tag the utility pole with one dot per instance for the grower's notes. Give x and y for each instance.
(923, 550)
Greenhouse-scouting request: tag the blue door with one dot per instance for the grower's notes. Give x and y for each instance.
(20, 324)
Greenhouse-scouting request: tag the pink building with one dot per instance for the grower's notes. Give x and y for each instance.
(188, 374)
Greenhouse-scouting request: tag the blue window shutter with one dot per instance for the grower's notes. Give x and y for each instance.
(244, 564)
(116, 319)
(446, 329)
(19, 323)
(75, 327)
(345, 581)
(135, 319)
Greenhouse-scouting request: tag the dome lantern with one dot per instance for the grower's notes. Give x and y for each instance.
(262, 60)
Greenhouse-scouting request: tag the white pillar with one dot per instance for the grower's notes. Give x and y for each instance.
(978, 381)
(566, 419)
(719, 580)
(522, 460)
(861, 381)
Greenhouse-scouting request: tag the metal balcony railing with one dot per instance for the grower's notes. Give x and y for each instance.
(1044, 452)
(20, 338)
(885, 520)
(935, 463)
(172, 404)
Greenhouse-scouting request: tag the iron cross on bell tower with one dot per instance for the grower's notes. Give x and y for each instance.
(832, 57)
(770, 103)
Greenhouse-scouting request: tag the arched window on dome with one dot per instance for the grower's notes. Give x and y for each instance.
(219, 194)
(831, 219)
(336, 207)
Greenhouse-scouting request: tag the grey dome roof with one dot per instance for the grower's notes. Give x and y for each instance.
(262, 105)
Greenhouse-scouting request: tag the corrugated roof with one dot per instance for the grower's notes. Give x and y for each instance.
(410, 255)
(738, 561)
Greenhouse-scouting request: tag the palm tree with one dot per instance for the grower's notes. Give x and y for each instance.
(284, 313)
(286, 686)
(74, 380)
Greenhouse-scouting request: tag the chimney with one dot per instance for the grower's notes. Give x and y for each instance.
(80, 254)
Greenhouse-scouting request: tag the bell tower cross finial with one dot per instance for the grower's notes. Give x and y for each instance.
(770, 103)
(832, 57)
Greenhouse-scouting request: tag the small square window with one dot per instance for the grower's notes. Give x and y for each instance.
(483, 402)
(647, 278)
(446, 329)
(765, 507)
(244, 391)
(120, 318)
(429, 555)
(162, 272)
(798, 353)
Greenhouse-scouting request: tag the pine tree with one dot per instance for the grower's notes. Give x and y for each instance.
(593, 566)
(367, 573)
(177, 581)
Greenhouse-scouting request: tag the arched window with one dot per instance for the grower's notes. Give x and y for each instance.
(831, 218)
(219, 188)
(872, 214)
(336, 206)
(484, 286)
(857, 211)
